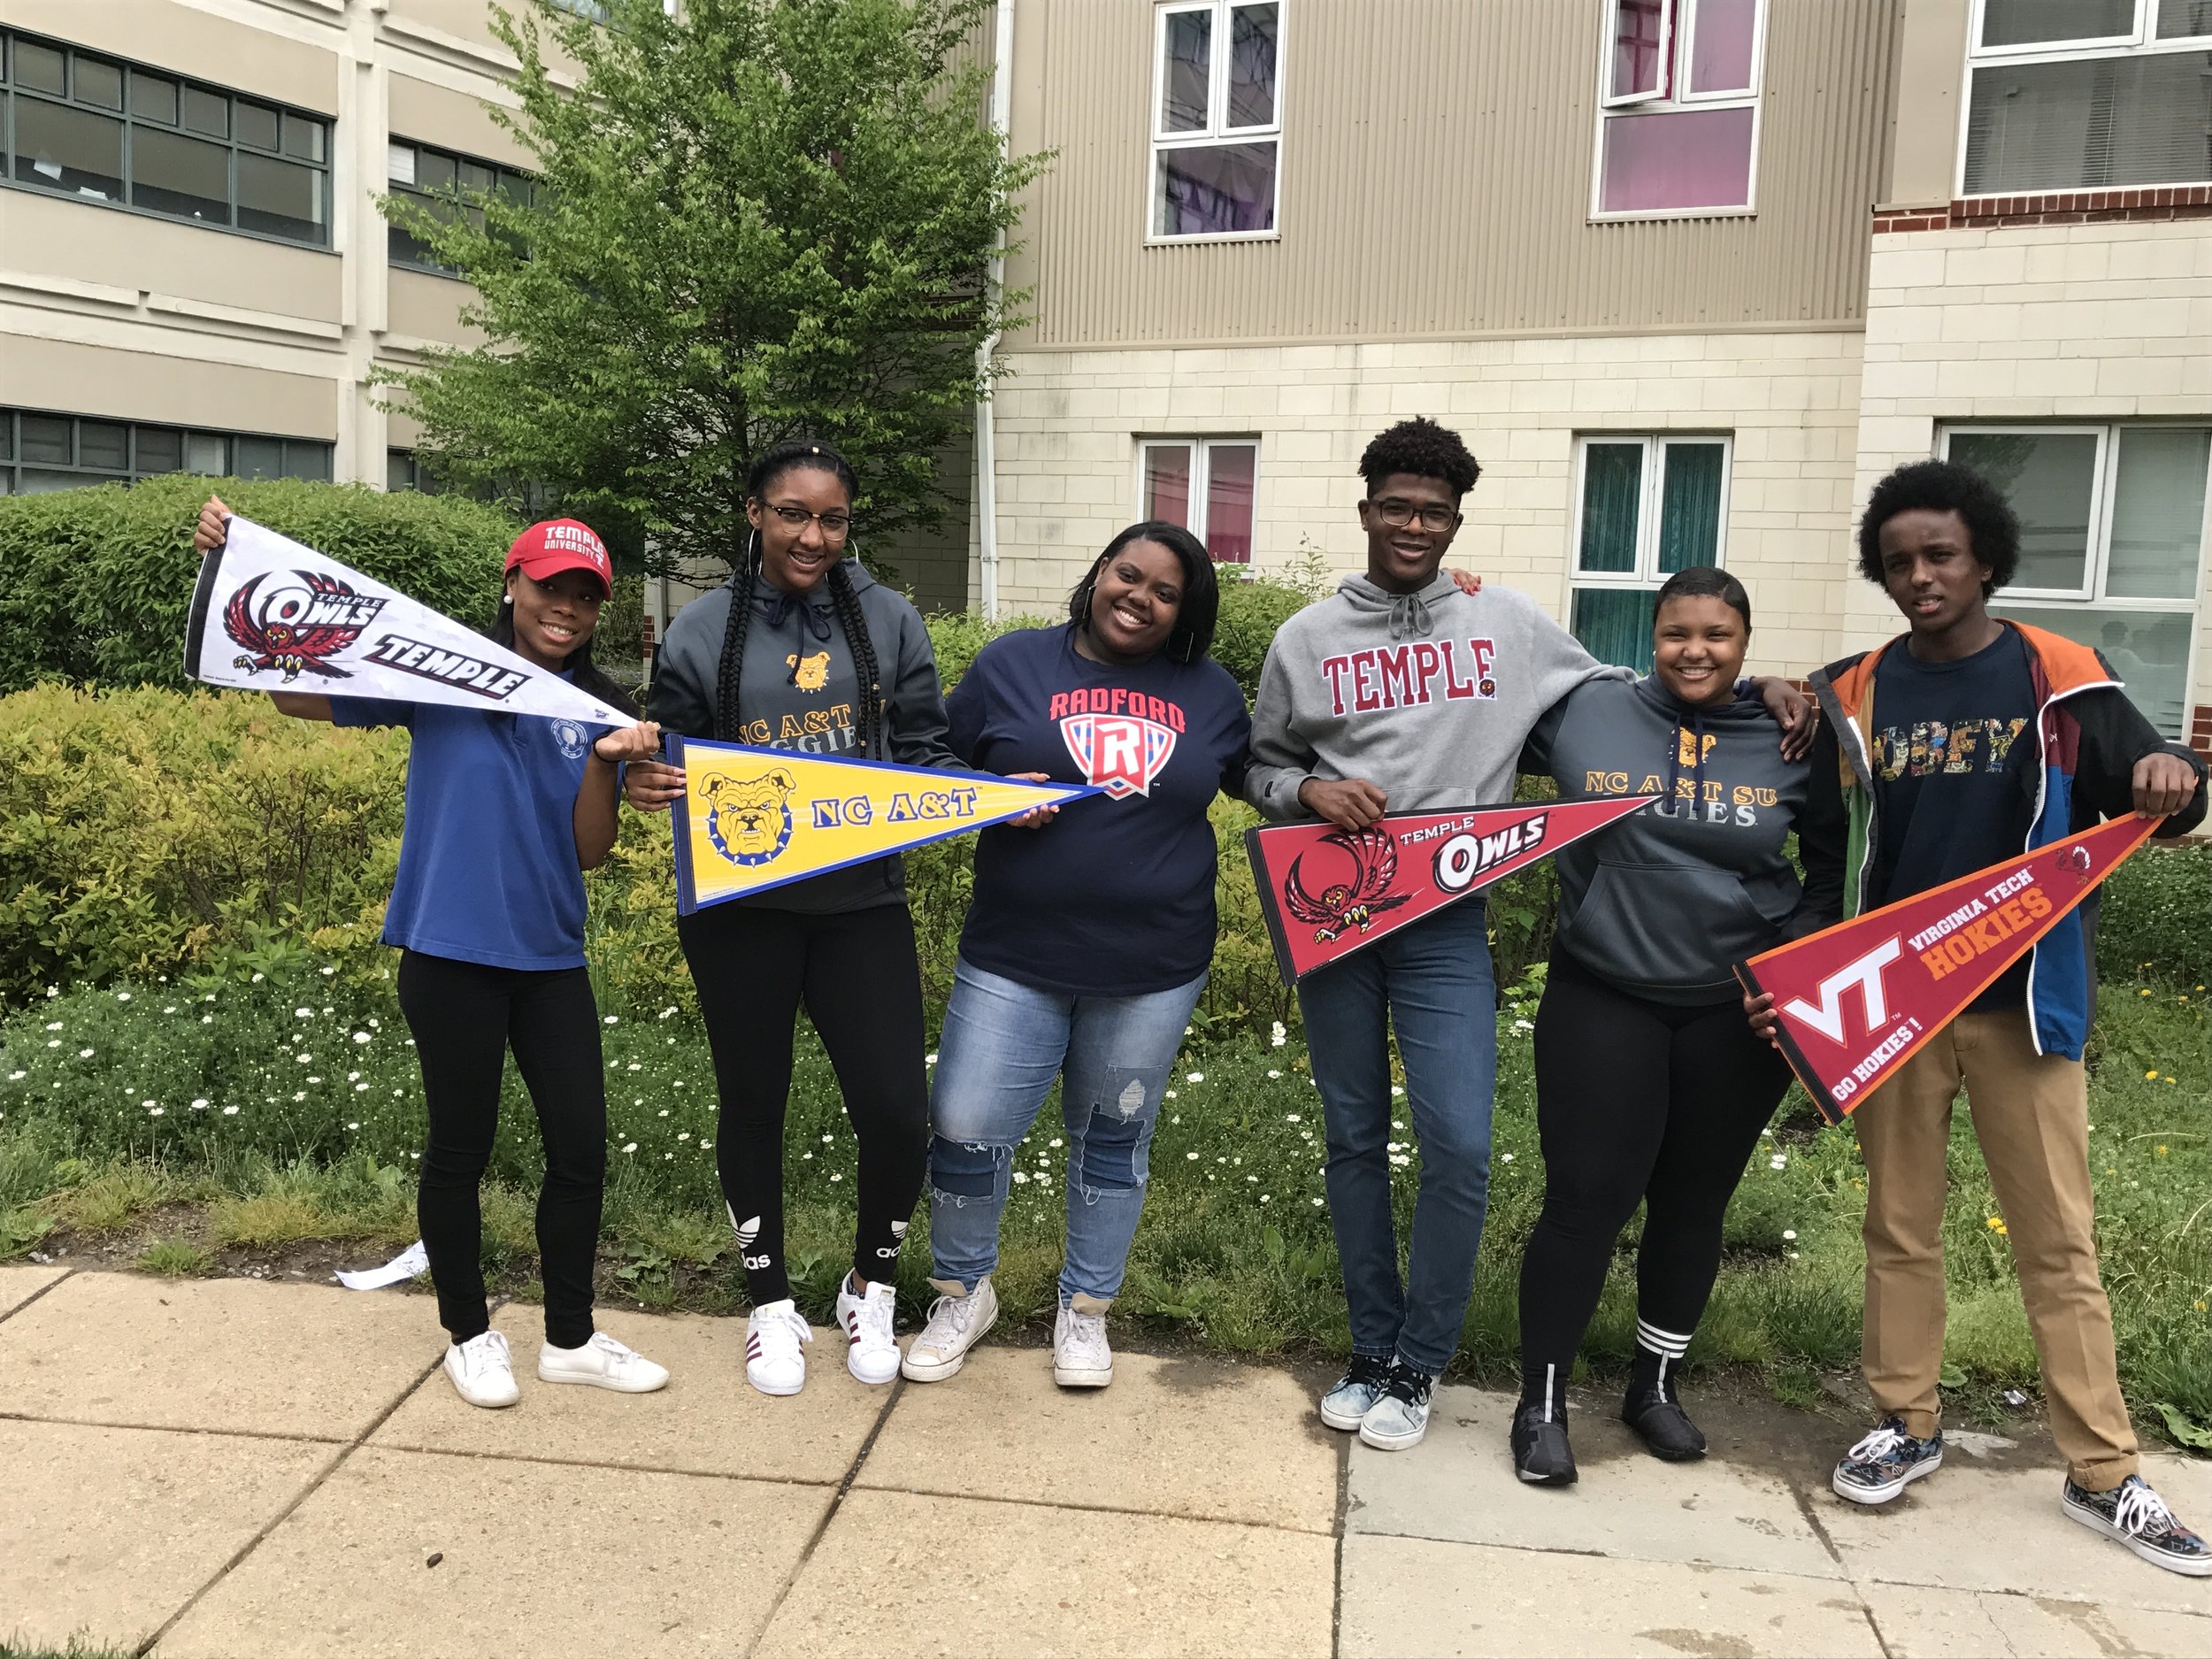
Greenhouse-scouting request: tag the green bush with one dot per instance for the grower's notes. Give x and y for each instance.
(2153, 913)
(96, 584)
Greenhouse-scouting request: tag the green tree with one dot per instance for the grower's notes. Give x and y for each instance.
(752, 220)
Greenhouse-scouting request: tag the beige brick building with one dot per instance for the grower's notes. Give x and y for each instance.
(1690, 274)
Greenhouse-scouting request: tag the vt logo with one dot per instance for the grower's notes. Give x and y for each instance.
(1866, 973)
(1121, 754)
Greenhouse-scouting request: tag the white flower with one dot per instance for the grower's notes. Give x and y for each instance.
(836, 1177)
(929, 1059)
(305, 1059)
(1396, 1092)
(302, 1013)
(17, 1077)
(1193, 1076)
(207, 1019)
(1020, 1179)
(1778, 1161)
(1292, 1118)
(53, 1042)
(301, 1095)
(1505, 1157)
(353, 1077)
(1318, 1203)
(360, 1089)
(1390, 1146)
(314, 1079)
(1170, 1095)
(328, 971)
(1254, 1179)
(634, 1066)
(1524, 1024)
(1272, 1072)
(1192, 1156)
(685, 1136)
(360, 1036)
(825, 1140)
(632, 1146)
(1263, 1198)
(353, 1126)
(122, 996)
(257, 978)
(230, 1111)
(611, 1019)
(84, 1054)
(156, 1112)
(1276, 1035)
(53, 1025)
(1054, 1143)
(1401, 1160)
(805, 1156)
(148, 1104)
(1789, 1232)
(169, 1010)
(1177, 1119)
(665, 1013)
(677, 1084)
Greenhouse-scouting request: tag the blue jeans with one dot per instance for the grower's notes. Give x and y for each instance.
(1432, 980)
(1004, 1044)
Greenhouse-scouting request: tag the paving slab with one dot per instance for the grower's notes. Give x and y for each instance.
(105, 1532)
(1924, 1622)
(630, 1562)
(707, 1421)
(21, 1281)
(1408, 1596)
(214, 1353)
(1458, 1485)
(1972, 1528)
(974, 1579)
(1190, 1436)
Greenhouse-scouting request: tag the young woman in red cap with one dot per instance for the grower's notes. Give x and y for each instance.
(504, 813)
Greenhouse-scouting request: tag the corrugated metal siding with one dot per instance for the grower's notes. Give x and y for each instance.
(1436, 181)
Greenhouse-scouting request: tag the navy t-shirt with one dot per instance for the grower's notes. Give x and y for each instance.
(1115, 897)
(488, 870)
(1954, 774)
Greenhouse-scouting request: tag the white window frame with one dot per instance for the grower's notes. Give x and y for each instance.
(1213, 136)
(1677, 44)
(1201, 483)
(2141, 41)
(1646, 572)
(2096, 567)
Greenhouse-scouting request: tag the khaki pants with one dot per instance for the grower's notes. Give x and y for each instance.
(2032, 1117)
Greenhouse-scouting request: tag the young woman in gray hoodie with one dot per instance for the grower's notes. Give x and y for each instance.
(1651, 1088)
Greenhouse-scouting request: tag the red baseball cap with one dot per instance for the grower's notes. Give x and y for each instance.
(544, 550)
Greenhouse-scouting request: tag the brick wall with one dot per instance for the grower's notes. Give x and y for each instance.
(2070, 207)
(1068, 424)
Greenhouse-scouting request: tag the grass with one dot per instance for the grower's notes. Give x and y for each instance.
(1235, 1250)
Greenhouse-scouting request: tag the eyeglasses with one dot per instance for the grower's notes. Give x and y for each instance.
(1398, 514)
(836, 526)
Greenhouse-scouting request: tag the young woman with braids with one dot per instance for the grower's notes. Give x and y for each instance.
(804, 651)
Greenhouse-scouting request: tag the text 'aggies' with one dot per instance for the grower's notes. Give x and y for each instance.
(1403, 676)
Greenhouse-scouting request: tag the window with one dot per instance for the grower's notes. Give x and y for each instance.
(1216, 119)
(450, 187)
(39, 453)
(1679, 107)
(2111, 538)
(403, 469)
(1207, 487)
(1649, 506)
(97, 130)
(2088, 95)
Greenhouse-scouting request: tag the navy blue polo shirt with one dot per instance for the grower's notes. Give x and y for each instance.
(488, 870)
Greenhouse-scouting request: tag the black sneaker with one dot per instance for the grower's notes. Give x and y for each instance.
(1541, 1455)
(1662, 1425)
(2136, 1516)
(1885, 1462)
(1345, 1404)
(1400, 1415)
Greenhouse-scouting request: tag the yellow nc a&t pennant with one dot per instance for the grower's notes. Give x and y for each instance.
(756, 818)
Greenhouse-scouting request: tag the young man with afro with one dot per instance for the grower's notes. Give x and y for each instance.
(1403, 693)
(1958, 745)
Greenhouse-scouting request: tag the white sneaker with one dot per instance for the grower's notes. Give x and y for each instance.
(1080, 1356)
(871, 1353)
(601, 1362)
(773, 1336)
(482, 1373)
(956, 1324)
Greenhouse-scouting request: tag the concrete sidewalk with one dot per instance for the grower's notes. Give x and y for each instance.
(257, 1470)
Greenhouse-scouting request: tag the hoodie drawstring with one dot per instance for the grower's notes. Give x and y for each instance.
(814, 619)
(1410, 618)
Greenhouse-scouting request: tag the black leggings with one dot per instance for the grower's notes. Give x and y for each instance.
(465, 1016)
(858, 976)
(1635, 1101)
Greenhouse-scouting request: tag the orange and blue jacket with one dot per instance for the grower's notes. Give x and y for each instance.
(2079, 770)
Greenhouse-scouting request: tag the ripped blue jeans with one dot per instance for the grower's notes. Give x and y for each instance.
(1004, 1044)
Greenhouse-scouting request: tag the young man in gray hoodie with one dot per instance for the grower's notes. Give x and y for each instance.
(1402, 694)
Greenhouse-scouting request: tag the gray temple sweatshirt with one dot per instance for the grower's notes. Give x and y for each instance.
(1427, 695)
